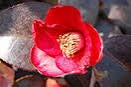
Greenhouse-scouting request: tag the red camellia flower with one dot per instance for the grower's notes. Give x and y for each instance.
(64, 44)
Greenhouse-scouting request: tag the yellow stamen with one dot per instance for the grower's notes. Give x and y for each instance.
(70, 43)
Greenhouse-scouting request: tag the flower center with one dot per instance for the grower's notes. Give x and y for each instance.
(70, 43)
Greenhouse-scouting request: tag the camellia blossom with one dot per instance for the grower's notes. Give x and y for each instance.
(64, 44)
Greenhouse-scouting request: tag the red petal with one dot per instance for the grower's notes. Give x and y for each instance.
(45, 40)
(84, 60)
(66, 64)
(45, 36)
(97, 45)
(64, 15)
(80, 61)
(73, 65)
(44, 63)
(89, 56)
(69, 66)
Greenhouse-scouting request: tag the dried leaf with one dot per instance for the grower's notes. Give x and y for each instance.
(88, 8)
(6, 76)
(15, 32)
(119, 48)
(98, 74)
(30, 81)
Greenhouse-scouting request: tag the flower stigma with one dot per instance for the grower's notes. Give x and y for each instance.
(70, 43)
